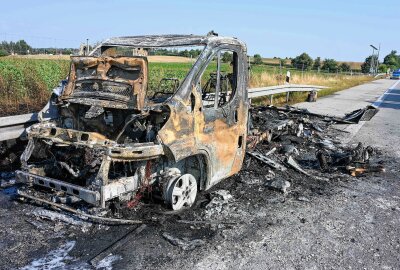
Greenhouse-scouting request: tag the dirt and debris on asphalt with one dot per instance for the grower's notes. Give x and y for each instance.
(295, 204)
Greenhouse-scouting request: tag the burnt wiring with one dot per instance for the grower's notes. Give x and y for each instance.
(133, 117)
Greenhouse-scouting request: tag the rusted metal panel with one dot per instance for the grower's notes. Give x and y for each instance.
(89, 196)
(95, 81)
(110, 139)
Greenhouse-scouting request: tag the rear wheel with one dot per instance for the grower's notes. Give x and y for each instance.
(181, 192)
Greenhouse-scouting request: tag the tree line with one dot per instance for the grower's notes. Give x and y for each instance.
(305, 62)
(22, 47)
(194, 53)
(390, 62)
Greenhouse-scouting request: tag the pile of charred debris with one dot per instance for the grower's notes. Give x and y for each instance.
(293, 141)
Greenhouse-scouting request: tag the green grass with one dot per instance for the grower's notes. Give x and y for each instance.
(157, 71)
(25, 84)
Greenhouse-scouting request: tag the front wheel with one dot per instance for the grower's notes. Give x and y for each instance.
(181, 192)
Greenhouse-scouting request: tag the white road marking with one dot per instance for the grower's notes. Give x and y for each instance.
(354, 129)
(378, 103)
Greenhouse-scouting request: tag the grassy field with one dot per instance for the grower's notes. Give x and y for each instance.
(275, 62)
(26, 82)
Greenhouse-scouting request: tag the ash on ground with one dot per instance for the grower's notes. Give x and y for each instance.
(291, 156)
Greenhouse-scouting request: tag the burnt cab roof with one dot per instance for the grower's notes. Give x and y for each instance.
(157, 41)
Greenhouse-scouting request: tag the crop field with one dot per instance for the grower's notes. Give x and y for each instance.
(26, 83)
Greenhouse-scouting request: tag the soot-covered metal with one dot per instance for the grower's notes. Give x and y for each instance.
(111, 139)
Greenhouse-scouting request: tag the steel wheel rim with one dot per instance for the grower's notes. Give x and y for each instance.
(182, 192)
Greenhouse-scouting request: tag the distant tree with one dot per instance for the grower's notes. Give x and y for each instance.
(330, 65)
(185, 53)
(194, 52)
(282, 62)
(366, 66)
(23, 47)
(344, 67)
(317, 63)
(227, 57)
(19, 47)
(257, 59)
(3, 52)
(303, 61)
(392, 60)
(383, 68)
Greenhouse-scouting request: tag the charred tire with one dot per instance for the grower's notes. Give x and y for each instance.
(181, 192)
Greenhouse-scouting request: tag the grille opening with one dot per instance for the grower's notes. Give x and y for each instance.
(97, 87)
(72, 164)
(131, 73)
(120, 169)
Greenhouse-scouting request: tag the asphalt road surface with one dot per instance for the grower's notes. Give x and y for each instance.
(343, 223)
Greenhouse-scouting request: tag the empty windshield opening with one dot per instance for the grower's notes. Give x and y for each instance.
(168, 67)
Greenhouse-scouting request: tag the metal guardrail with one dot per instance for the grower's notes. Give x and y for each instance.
(379, 75)
(279, 89)
(13, 127)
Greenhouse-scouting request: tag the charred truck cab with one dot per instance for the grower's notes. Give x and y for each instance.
(110, 139)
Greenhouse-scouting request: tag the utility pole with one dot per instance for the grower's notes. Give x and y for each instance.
(377, 59)
(372, 64)
(87, 46)
(55, 47)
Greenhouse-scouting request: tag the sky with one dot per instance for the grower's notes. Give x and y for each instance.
(339, 29)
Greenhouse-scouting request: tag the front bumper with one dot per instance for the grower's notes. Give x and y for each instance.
(94, 197)
(90, 196)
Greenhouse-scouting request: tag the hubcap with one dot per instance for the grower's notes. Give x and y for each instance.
(182, 192)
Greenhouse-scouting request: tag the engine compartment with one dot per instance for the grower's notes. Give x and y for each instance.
(119, 125)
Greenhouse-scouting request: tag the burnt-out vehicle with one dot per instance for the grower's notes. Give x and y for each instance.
(109, 138)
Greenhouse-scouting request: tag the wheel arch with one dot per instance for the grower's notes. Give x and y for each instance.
(199, 166)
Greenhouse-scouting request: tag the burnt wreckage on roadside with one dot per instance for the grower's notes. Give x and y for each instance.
(110, 139)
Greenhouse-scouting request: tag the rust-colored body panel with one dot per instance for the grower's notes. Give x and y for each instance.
(179, 129)
(103, 65)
